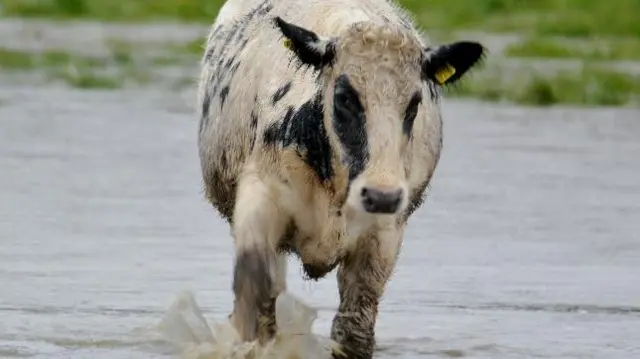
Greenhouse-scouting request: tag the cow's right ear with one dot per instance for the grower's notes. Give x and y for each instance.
(309, 48)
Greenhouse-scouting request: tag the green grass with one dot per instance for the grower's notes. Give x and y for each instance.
(596, 49)
(116, 10)
(559, 17)
(578, 18)
(590, 86)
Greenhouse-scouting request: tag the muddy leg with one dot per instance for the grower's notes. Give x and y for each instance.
(362, 278)
(258, 224)
(281, 273)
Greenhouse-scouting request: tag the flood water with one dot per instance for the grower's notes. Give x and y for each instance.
(528, 246)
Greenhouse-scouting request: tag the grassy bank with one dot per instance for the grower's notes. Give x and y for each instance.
(623, 49)
(590, 31)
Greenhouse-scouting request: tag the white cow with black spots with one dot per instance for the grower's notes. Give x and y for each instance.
(320, 131)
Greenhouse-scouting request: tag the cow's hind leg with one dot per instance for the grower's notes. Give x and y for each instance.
(362, 278)
(258, 224)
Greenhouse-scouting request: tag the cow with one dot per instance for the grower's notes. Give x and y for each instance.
(320, 130)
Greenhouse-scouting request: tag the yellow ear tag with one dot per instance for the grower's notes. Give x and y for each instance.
(288, 44)
(445, 73)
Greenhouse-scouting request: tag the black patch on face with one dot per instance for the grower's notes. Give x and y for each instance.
(223, 95)
(410, 113)
(349, 122)
(279, 94)
(304, 130)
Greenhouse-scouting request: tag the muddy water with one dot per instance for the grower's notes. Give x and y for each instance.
(528, 247)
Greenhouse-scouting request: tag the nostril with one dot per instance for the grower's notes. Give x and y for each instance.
(398, 194)
(381, 201)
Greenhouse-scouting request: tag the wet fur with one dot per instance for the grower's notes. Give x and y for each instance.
(275, 168)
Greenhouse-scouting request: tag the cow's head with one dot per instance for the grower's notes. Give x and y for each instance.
(377, 80)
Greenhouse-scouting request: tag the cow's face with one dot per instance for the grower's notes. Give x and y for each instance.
(377, 80)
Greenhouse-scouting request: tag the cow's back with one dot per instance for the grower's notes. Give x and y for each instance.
(248, 80)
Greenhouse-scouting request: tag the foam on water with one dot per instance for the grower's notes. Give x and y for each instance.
(185, 326)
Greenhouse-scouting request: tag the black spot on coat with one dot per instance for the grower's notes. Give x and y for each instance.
(279, 94)
(304, 130)
(204, 116)
(253, 127)
(223, 95)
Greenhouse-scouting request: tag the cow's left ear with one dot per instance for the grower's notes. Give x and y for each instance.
(308, 47)
(447, 63)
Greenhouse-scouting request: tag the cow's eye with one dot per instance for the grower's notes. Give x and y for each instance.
(346, 101)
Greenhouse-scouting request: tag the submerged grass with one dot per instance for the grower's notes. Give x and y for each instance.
(592, 49)
(588, 86)
(87, 78)
(109, 72)
(22, 60)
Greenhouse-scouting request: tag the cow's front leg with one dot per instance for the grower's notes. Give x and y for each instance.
(362, 278)
(258, 224)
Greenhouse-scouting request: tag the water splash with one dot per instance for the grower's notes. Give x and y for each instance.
(184, 326)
